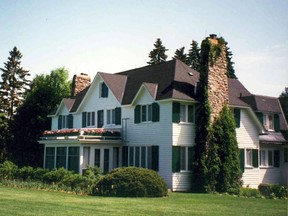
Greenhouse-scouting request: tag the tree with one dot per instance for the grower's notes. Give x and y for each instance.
(283, 98)
(193, 57)
(179, 54)
(45, 93)
(13, 85)
(3, 138)
(157, 55)
(230, 67)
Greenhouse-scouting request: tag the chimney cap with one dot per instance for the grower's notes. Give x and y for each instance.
(213, 36)
(84, 74)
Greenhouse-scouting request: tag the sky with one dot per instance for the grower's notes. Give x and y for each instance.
(88, 36)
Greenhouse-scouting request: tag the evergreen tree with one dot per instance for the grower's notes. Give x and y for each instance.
(193, 57)
(230, 67)
(283, 98)
(13, 84)
(179, 54)
(30, 121)
(157, 55)
(227, 159)
(4, 136)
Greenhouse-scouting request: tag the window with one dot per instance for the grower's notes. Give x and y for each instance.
(147, 113)
(103, 90)
(73, 159)
(100, 118)
(115, 157)
(50, 158)
(110, 116)
(285, 155)
(182, 113)
(144, 156)
(269, 158)
(268, 121)
(61, 156)
(182, 158)
(88, 119)
(65, 121)
(251, 158)
(97, 158)
(106, 161)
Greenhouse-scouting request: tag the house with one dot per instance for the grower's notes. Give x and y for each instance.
(145, 117)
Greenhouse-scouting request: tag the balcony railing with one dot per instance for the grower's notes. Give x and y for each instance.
(83, 133)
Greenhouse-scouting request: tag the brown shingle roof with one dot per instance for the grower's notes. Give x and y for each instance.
(237, 90)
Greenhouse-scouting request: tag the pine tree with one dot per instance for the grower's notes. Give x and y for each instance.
(179, 54)
(13, 84)
(193, 57)
(157, 55)
(230, 67)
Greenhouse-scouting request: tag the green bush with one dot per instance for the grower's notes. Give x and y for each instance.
(272, 191)
(131, 182)
(8, 170)
(250, 192)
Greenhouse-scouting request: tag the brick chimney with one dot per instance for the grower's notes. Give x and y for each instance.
(79, 83)
(217, 78)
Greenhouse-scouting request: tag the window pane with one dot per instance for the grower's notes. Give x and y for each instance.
(270, 158)
(263, 160)
(183, 158)
(249, 157)
(106, 161)
(143, 157)
(108, 116)
(137, 156)
(131, 156)
(143, 111)
(50, 158)
(115, 157)
(191, 114)
(182, 113)
(73, 159)
(61, 157)
(113, 117)
(149, 112)
(97, 158)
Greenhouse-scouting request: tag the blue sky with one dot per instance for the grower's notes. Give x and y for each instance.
(112, 36)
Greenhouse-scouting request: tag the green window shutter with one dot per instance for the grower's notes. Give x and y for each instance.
(118, 115)
(242, 161)
(104, 90)
(59, 121)
(93, 118)
(83, 119)
(175, 112)
(285, 156)
(155, 112)
(255, 157)
(276, 158)
(237, 117)
(175, 159)
(125, 156)
(100, 118)
(270, 158)
(70, 121)
(137, 114)
(155, 158)
(260, 117)
(191, 113)
(276, 123)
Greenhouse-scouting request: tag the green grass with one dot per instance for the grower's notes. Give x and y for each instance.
(14, 201)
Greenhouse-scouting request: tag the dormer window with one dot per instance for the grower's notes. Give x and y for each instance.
(268, 121)
(103, 90)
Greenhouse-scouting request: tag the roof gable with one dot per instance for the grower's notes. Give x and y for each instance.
(151, 88)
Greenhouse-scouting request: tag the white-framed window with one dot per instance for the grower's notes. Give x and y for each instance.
(182, 158)
(110, 116)
(269, 157)
(140, 156)
(186, 113)
(268, 121)
(86, 157)
(64, 121)
(90, 119)
(146, 113)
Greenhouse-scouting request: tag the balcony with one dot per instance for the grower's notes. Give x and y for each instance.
(82, 134)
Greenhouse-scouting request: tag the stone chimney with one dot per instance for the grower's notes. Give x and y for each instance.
(79, 83)
(217, 76)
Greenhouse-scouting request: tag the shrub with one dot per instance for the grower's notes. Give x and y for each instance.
(272, 191)
(131, 182)
(250, 192)
(8, 170)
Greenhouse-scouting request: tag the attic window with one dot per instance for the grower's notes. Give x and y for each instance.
(103, 90)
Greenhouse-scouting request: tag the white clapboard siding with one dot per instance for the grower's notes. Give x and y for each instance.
(183, 134)
(284, 173)
(270, 175)
(182, 181)
(247, 133)
(251, 177)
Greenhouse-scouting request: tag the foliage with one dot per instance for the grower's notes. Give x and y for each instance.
(13, 84)
(131, 182)
(179, 54)
(193, 57)
(4, 131)
(157, 55)
(273, 191)
(45, 93)
(230, 63)
(283, 98)
(250, 192)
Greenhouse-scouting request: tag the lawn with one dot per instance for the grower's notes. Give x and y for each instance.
(15, 201)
